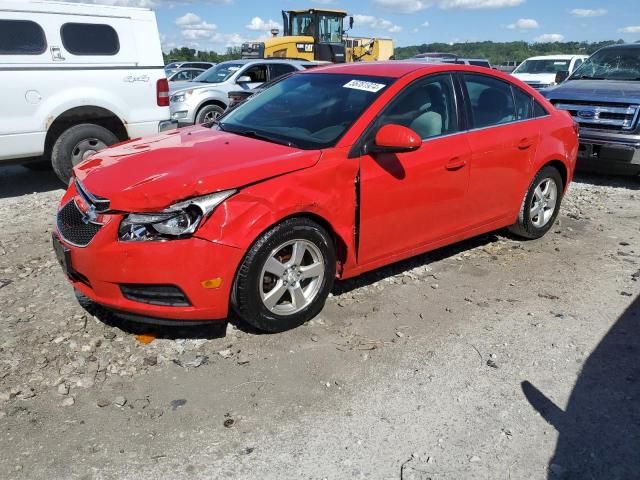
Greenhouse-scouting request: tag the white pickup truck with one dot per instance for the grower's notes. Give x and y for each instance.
(77, 78)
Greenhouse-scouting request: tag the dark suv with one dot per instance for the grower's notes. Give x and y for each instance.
(603, 96)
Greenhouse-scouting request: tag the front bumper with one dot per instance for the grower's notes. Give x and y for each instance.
(100, 270)
(182, 113)
(609, 153)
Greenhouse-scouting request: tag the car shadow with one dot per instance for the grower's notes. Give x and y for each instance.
(599, 431)
(16, 180)
(620, 181)
(397, 268)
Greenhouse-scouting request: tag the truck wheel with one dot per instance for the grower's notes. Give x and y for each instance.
(208, 113)
(77, 143)
(286, 276)
(541, 205)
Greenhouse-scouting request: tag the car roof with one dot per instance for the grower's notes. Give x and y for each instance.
(397, 69)
(245, 61)
(556, 57)
(623, 45)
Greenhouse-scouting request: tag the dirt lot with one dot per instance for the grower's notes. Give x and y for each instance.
(492, 359)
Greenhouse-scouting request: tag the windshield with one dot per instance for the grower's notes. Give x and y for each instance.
(308, 111)
(543, 66)
(611, 64)
(219, 73)
(301, 24)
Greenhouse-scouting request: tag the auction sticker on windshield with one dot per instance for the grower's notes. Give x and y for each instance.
(366, 86)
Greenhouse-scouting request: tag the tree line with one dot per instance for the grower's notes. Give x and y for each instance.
(501, 52)
(496, 52)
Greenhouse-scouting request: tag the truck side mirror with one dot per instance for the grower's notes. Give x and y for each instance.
(350, 23)
(561, 76)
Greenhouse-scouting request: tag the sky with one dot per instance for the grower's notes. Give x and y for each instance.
(218, 24)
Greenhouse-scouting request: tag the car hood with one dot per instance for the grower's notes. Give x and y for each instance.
(175, 87)
(544, 78)
(153, 173)
(596, 90)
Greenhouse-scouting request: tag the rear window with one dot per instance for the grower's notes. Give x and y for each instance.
(21, 37)
(89, 39)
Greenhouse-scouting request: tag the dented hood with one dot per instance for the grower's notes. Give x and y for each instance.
(153, 173)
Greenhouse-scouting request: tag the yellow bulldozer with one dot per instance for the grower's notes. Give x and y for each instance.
(318, 34)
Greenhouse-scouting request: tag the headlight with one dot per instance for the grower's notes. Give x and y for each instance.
(181, 96)
(177, 221)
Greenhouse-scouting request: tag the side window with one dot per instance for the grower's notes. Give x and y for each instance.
(427, 106)
(491, 101)
(258, 73)
(539, 110)
(579, 62)
(279, 69)
(89, 39)
(21, 37)
(524, 104)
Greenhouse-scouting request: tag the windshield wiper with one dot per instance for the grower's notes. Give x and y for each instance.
(260, 136)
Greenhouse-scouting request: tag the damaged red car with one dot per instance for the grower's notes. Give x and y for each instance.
(328, 174)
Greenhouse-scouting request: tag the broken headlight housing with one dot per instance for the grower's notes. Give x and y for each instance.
(178, 221)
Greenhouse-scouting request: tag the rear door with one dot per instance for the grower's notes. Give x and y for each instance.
(503, 141)
(411, 199)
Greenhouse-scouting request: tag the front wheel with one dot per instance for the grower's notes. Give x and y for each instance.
(286, 276)
(541, 204)
(208, 114)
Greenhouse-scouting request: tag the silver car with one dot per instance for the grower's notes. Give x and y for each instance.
(206, 97)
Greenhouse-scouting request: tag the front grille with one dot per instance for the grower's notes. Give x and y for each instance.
(73, 227)
(163, 295)
(539, 86)
(606, 116)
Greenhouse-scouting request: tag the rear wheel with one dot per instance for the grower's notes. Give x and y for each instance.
(286, 276)
(76, 144)
(541, 204)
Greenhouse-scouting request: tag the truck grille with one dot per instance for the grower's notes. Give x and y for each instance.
(606, 116)
(537, 85)
(72, 226)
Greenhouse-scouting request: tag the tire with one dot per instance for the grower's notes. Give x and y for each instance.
(208, 113)
(75, 144)
(532, 222)
(253, 283)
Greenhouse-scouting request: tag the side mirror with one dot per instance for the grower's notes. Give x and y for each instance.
(244, 79)
(562, 75)
(396, 139)
(350, 23)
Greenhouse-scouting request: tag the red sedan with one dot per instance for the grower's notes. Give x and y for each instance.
(328, 174)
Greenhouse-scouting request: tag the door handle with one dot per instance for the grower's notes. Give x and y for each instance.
(525, 143)
(456, 163)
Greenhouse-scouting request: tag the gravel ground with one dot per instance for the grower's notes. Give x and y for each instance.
(493, 358)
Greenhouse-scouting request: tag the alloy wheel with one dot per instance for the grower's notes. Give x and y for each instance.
(544, 202)
(291, 277)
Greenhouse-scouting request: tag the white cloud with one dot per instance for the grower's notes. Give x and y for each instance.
(550, 37)
(631, 29)
(588, 12)
(425, 24)
(193, 27)
(259, 24)
(524, 24)
(376, 23)
(478, 4)
(403, 6)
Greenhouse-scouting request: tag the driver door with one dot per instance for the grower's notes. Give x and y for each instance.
(409, 200)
